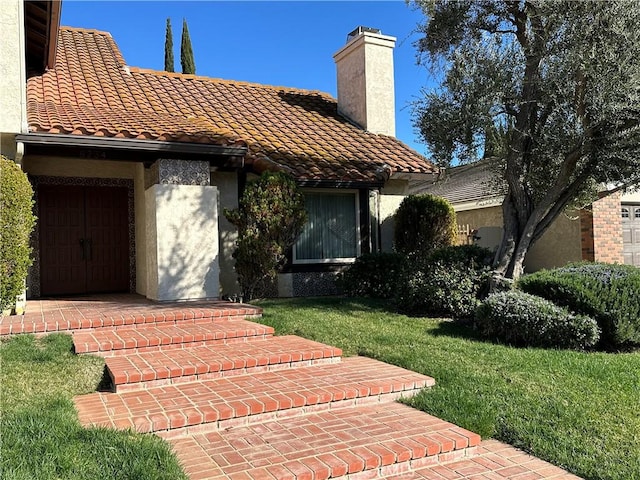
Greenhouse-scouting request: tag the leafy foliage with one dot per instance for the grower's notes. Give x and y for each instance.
(168, 48)
(449, 282)
(424, 223)
(186, 52)
(270, 217)
(551, 88)
(16, 223)
(518, 318)
(374, 275)
(608, 293)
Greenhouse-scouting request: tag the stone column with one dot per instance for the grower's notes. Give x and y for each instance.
(182, 231)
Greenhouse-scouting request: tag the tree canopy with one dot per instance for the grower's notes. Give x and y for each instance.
(168, 48)
(550, 88)
(186, 52)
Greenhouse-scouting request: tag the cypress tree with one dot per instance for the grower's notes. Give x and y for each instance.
(186, 53)
(168, 48)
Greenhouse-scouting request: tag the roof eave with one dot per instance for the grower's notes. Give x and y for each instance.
(110, 143)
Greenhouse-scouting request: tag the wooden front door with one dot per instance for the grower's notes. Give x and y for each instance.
(84, 239)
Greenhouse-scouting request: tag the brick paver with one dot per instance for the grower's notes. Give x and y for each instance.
(150, 369)
(330, 444)
(241, 399)
(113, 310)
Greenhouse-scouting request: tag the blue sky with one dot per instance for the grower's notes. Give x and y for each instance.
(287, 43)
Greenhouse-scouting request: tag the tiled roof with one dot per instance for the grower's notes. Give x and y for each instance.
(467, 183)
(92, 92)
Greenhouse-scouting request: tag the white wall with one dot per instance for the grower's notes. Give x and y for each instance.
(227, 184)
(12, 75)
(391, 197)
(182, 242)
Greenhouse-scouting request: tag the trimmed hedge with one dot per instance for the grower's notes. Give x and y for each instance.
(374, 275)
(16, 223)
(521, 319)
(449, 281)
(424, 223)
(608, 293)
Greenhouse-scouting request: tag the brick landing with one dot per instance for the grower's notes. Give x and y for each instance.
(238, 403)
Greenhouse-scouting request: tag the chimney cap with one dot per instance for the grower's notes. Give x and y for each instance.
(360, 30)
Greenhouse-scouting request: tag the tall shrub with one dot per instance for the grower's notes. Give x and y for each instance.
(186, 51)
(424, 223)
(269, 218)
(16, 223)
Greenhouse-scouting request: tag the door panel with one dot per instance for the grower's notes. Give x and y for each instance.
(631, 233)
(61, 227)
(84, 239)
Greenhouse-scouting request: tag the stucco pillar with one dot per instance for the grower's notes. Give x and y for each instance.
(182, 232)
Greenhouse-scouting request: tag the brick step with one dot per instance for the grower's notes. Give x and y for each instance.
(137, 371)
(166, 336)
(116, 316)
(209, 405)
(368, 441)
(493, 459)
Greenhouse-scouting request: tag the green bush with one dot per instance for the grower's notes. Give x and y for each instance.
(269, 218)
(424, 223)
(608, 293)
(374, 275)
(448, 281)
(521, 319)
(16, 223)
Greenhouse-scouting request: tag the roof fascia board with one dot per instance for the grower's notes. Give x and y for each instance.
(110, 143)
(338, 184)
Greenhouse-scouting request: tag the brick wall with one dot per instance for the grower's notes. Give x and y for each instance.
(606, 229)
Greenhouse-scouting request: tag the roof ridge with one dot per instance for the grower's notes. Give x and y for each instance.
(163, 73)
(85, 30)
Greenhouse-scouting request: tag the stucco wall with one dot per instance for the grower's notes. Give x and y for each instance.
(12, 74)
(77, 167)
(182, 242)
(141, 231)
(227, 184)
(560, 244)
(391, 197)
(365, 82)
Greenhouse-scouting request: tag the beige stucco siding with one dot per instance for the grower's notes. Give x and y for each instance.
(560, 244)
(227, 184)
(390, 198)
(77, 167)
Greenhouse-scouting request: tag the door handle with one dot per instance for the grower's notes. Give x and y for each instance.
(87, 250)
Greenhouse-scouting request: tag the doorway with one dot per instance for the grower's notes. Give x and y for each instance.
(84, 239)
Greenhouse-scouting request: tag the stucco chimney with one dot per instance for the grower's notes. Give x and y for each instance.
(365, 80)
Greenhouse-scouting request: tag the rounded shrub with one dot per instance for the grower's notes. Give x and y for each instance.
(424, 223)
(448, 281)
(608, 293)
(16, 223)
(521, 319)
(374, 275)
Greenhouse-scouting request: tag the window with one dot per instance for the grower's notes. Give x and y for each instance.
(636, 213)
(625, 213)
(332, 232)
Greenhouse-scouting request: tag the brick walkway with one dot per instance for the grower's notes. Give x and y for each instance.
(238, 403)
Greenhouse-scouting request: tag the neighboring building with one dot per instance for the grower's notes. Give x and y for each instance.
(595, 233)
(132, 168)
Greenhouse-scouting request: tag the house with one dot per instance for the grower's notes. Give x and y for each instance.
(132, 168)
(606, 231)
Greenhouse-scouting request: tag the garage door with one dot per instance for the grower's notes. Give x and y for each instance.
(631, 233)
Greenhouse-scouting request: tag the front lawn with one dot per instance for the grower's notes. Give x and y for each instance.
(41, 437)
(580, 411)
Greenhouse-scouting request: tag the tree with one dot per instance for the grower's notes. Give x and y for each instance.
(168, 48)
(556, 86)
(186, 52)
(269, 218)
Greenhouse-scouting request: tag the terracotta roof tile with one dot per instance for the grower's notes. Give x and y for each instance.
(92, 92)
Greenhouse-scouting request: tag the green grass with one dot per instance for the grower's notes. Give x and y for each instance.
(580, 411)
(41, 436)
